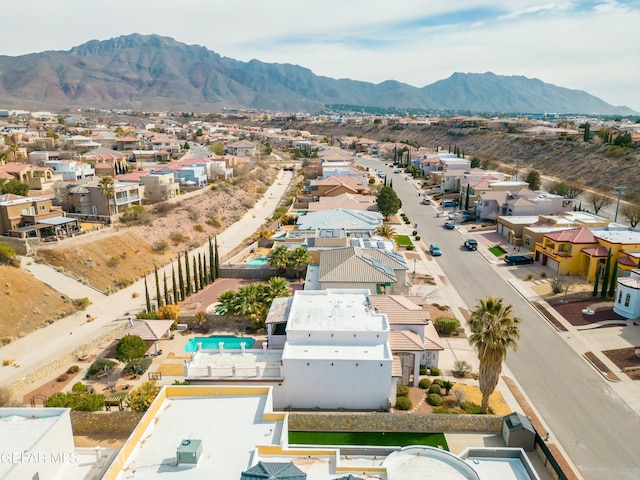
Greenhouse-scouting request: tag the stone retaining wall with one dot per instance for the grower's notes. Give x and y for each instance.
(87, 423)
(392, 422)
(71, 357)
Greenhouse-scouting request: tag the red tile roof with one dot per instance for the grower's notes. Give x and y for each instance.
(573, 235)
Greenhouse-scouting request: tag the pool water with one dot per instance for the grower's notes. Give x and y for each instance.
(230, 342)
(257, 262)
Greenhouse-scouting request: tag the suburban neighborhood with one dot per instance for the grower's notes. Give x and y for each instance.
(235, 299)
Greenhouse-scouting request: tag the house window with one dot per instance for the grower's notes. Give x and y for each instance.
(619, 296)
(42, 207)
(627, 299)
(527, 240)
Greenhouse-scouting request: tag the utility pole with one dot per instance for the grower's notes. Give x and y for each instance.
(619, 190)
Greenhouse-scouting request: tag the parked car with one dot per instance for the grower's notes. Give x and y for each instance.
(426, 201)
(466, 217)
(471, 244)
(449, 204)
(449, 225)
(518, 259)
(434, 250)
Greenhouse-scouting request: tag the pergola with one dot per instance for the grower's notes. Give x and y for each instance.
(149, 330)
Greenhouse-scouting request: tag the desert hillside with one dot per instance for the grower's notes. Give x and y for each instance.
(597, 165)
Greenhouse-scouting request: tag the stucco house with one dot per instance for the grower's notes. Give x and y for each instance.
(383, 272)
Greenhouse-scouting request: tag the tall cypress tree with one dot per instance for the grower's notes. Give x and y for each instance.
(196, 282)
(174, 285)
(166, 290)
(183, 289)
(466, 201)
(216, 257)
(187, 270)
(605, 276)
(595, 284)
(204, 278)
(158, 292)
(200, 278)
(212, 273)
(146, 295)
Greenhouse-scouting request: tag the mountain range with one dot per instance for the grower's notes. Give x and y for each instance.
(151, 72)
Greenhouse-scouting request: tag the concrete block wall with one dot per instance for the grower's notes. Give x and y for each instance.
(392, 422)
(45, 371)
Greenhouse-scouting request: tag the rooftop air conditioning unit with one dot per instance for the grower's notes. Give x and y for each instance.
(189, 452)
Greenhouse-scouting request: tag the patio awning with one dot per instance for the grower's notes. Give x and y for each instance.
(150, 330)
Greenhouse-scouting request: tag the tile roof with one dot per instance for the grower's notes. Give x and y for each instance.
(596, 251)
(355, 265)
(573, 235)
(405, 341)
(400, 310)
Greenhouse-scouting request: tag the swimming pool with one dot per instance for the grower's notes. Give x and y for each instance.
(257, 261)
(230, 342)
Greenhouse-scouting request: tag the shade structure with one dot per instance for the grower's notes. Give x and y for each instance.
(274, 471)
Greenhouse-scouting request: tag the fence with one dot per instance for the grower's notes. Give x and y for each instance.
(549, 460)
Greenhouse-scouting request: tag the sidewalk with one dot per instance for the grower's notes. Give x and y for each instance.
(46, 345)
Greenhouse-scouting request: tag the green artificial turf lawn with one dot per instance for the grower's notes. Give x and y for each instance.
(403, 241)
(497, 251)
(396, 439)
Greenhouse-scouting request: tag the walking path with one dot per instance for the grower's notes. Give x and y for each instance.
(105, 313)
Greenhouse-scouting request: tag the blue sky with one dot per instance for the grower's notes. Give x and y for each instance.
(585, 45)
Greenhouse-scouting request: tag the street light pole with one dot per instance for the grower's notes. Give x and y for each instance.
(414, 267)
(619, 190)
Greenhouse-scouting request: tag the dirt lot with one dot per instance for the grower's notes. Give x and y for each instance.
(28, 304)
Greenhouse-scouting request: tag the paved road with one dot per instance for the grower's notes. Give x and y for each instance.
(47, 344)
(598, 430)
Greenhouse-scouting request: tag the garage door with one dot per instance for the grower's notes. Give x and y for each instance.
(553, 264)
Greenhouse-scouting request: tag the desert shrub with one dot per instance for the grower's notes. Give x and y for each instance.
(417, 237)
(123, 282)
(137, 366)
(160, 246)
(84, 403)
(543, 274)
(62, 378)
(410, 247)
(82, 303)
(100, 364)
(79, 388)
(141, 398)
(177, 238)
(435, 371)
(147, 315)
(8, 255)
(446, 326)
(424, 383)
(6, 340)
(444, 410)
(402, 391)
(198, 228)
(6, 398)
(438, 381)
(414, 233)
(434, 388)
(163, 208)
(169, 312)
(130, 347)
(423, 369)
(403, 403)
(113, 262)
(7, 361)
(212, 222)
(459, 394)
(73, 369)
(470, 407)
(136, 215)
(462, 368)
(434, 399)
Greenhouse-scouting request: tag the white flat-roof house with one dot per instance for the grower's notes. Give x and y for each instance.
(337, 353)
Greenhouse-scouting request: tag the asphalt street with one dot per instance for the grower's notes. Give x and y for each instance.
(596, 428)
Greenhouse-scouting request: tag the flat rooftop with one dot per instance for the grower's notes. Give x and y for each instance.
(337, 352)
(238, 429)
(334, 310)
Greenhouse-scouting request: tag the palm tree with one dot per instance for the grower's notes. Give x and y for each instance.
(385, 231)
(494, 328)
(277, 287)
(107, 188)
(300, 258)
(280, 259)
